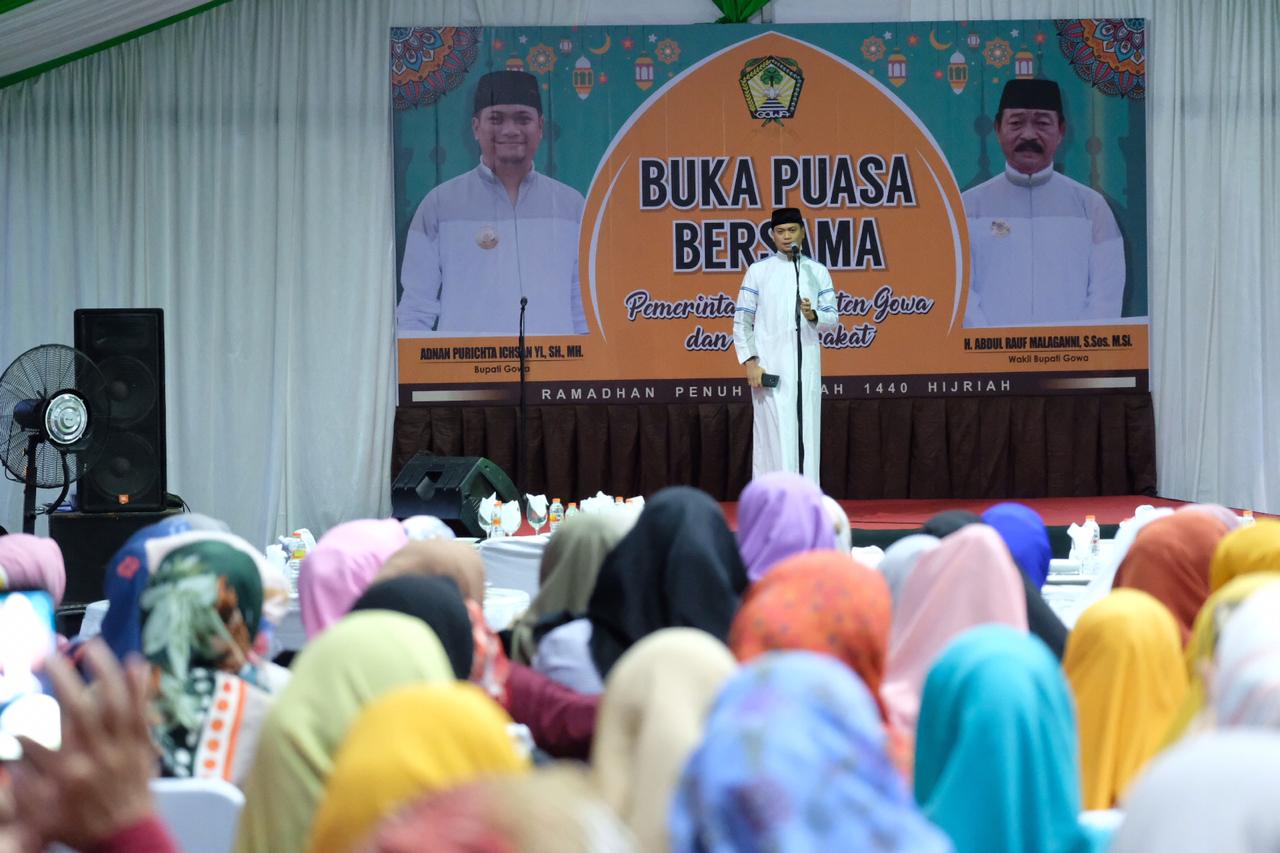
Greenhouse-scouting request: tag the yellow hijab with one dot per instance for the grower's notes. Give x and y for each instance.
(1244, 551)
(1124, 663)
(360, 658)
(1204, 642)
(412, 742)
(652, 716)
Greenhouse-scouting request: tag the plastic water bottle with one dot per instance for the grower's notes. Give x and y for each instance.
(296, 546)
(1247, 518)
(571, 511)
(495, 529)
(555, 514)
(1091, 558)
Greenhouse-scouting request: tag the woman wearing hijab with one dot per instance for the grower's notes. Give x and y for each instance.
(968, 580)
(679, 566)
(1023, 531)
(827, 603)
(996, 756)
(31, 563)
(570, 567)
(361, 658)
(1215, 791)
(566, 577)
(555, 809)
(1124, 663)
(949, 521)
(412, 742)
(1170, 560)
(794, 759)
(201, 612)
(438, 558)
(900, 560)
(651, 718)
(341, 566)
(1104, 580)
(126, 577)
(1244, 551)
(1027, 539)
(1246, 677)
(1195, 714)
(437, 601)
(781, 514)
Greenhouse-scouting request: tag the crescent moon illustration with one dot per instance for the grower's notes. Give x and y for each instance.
(933, 40)
(604, 48)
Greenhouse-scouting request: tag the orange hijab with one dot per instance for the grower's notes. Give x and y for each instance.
(1170, 559)
(825, 602)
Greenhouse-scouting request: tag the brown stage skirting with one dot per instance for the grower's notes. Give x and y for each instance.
(955, 447)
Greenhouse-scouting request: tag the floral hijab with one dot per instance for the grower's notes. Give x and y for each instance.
(200, 611)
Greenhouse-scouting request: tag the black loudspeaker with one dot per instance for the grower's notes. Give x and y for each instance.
(450, 488)
(127, 345)
(89, 540)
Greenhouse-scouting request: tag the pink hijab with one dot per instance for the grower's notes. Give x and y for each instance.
(969, 579)
(342, 566)
(29, 562)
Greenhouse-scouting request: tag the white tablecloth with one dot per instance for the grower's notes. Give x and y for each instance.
(513, 561)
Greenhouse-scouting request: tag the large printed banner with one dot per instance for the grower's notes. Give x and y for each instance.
(617, 182)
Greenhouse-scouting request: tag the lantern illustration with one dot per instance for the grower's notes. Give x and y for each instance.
(565, 45)
(583, 77)
(957, 72)
(897, 69)
(1024, 65)
(644, 72)
(973, 40)
(515, 63)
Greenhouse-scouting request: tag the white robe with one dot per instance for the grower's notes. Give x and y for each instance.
(470, 254)
(764, 326)
(1046, 250)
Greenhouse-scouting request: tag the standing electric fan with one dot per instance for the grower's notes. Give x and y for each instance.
(54, 416)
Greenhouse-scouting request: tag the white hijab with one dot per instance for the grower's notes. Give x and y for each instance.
(1245, 686)
(1215, 791)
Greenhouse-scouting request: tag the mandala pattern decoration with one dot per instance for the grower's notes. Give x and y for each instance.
(997, 52)
(667, 51)
(541, 59)
(1107, 53)
(428, 62)
(873, 48)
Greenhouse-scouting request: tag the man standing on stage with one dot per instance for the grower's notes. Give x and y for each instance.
(502, 231)
(1046, 249)
(775, 332)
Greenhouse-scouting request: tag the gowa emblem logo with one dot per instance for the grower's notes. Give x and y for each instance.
(771, 87)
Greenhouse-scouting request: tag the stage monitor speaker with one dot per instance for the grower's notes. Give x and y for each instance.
(127, 345)
(89, 540)
(450, 488)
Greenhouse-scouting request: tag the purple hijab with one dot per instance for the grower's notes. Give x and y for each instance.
(781, 514)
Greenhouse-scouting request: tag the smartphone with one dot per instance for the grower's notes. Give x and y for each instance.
(27, 705)
(770, 380)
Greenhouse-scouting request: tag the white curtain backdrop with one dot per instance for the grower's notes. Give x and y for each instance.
(234, 169)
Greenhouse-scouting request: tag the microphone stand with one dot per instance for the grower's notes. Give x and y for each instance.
(523, 426)
(795, 262)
